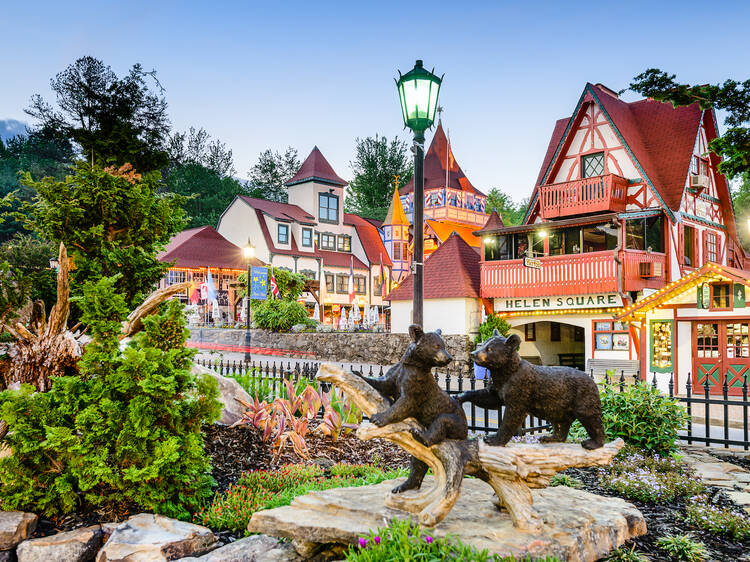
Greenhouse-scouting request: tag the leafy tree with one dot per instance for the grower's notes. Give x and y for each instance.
(511, 212)
(29, 256)
(741, 201)
(195, 146)
(731, 96)
(487, 328)
(111, 120)
(376, 163)
(127, 430)
(269, 174)
(279, 314)
(39, 153)
(111, 220)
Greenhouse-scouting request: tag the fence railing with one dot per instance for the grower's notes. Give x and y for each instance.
(731, 428)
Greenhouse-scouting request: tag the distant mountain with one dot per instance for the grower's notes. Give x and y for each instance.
(11, 127)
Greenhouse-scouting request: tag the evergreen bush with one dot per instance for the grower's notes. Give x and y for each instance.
(127, 430)
(487, 328)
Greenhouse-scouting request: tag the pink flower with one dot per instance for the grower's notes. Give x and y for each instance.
(362, 542)
(428, 539)
(376, 539)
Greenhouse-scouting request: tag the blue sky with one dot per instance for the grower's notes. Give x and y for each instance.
(272, 74)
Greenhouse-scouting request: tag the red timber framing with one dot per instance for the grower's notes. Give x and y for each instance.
(603, 193)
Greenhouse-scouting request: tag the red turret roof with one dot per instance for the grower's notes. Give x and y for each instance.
(435, 162)
(494, 222)
(204, 247)
(451, 271)
(316, 168)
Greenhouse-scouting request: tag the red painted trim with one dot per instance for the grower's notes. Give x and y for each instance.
(644, 351)
(246, 349)
(675, 354)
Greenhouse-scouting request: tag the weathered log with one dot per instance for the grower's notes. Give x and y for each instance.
(58, 316)
(511, 470)
(134, 322)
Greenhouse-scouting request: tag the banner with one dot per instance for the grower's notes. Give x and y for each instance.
(599, 300)
(259, 283)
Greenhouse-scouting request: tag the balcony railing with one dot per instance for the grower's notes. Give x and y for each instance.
(587, 195)
(643, 270)
(595, 272)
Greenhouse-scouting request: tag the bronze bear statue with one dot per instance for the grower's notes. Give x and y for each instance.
(414, 393)
(559, 395)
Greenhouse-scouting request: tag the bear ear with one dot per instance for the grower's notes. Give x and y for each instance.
(416, 332)
(495, 333)
(513, 342)
(439, 332)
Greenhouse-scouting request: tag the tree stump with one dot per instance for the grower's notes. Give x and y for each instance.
(511, 470)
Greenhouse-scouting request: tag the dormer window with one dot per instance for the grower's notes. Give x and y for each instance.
(592, 165)
(328, 208)
(327, 241)
(283, 234)
(307, 237)
(345, 243)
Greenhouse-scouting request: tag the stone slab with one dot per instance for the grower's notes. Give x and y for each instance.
(80, 545)
(257, 548)
(578, 526)
(15, 526)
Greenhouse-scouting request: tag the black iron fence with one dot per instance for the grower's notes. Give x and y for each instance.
(715, 418)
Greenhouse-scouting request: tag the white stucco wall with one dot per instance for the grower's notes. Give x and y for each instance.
(452, 316)
(240, 222)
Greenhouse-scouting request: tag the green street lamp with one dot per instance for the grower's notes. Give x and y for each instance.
(418, 91)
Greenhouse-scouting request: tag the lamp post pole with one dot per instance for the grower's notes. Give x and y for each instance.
(247, 300)
(418, 258)
(249, 252)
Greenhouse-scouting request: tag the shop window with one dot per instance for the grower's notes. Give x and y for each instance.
(611, 336)
(737, 340)
(329, 282)
(521, 245)
(721, 296)
(537, 239)
(599, 238)
(572, 240)
(645, 234)
(530, 332)
(174, 277)
(689, 255)
(307, 237)
(711, 252)
(578, 334)
(342, 283)
(328, 208)
(345, 243)
(283, 234)
(655, 234)
(661, 346)
(554, 331)
(556, 243)
(592, 165)
(327, 241)
(360, 284)
(707, 340)
(497, 248)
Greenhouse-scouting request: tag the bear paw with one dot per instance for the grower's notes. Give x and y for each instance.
(378, 419)
(404, 487)
(419, 436)
(494, 440)
(591, 444)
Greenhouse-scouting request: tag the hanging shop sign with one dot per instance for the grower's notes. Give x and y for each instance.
(599, 300)
(259, 283)
(532, 263)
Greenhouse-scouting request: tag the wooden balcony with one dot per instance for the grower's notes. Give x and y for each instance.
(575, 274)
(587, 195)
(643, 270)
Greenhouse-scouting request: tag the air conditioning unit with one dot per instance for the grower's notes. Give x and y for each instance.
(699, 182)
(647, 270)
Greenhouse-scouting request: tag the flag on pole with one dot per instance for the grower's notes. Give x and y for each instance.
(211, 290)
(351, 280)
(383, 292)
(274, 286)
(194, 294)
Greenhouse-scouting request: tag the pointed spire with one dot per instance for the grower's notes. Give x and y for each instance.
(494, 222)
(316, 168)
(395, 213)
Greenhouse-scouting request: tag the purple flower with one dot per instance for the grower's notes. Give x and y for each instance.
(428, 539)
(376, 539)
(362, 542)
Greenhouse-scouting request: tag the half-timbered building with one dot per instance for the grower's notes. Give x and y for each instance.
(627, 203)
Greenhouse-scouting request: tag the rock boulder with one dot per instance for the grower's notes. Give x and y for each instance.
(257, 548)
(79, 545)
(229, 389)
(15, 527)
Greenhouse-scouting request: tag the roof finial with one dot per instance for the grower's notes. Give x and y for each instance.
(395, 180)
(440, 113)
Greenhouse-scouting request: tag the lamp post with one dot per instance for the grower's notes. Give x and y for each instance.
(249, 252)
(418, 91)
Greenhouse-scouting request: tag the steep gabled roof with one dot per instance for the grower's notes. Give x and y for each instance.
(280, 211)
(293, 248)
(370, 237)
(494, 222)
(204, 247)
(395, 214)
(341, 259)
(316, 168)
(436, 160)
(658, 137)
(444, 229)
(451, 271)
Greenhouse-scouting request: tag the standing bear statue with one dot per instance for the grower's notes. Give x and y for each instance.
(559, 395)
(414, 393)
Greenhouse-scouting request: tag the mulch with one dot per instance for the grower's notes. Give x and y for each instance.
(668, 519)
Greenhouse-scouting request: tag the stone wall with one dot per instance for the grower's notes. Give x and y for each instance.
(375, 348)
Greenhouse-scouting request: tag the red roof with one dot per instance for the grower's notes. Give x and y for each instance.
(204, 247)
(293, 249)
(370, 237)
(316, 167)
(280, 211)
(660, 136)
(341, 259)
(494, 222)
(435, 162)
(450, 271)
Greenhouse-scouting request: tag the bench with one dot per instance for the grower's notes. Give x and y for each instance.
(598, 369)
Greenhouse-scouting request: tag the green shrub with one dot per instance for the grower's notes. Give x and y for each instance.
(625, 554)
(127, 430)
(682, 547)
(492, 322)
(279, 315)
(641, 415)
(565, 480)
(264, 489)
(717, 520)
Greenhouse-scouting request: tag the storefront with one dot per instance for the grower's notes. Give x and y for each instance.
(697, 329)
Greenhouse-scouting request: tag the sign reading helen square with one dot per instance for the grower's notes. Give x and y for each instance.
(599, 300)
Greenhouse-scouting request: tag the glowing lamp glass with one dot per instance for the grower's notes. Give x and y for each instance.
(248, 251)
(418, 91)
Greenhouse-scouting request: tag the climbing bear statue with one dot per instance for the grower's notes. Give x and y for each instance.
(559, 395)
(414, 393)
